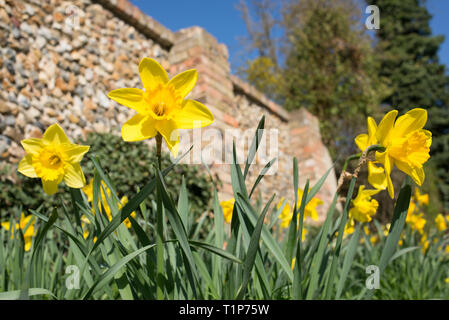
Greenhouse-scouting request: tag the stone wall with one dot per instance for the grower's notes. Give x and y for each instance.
(60, 58)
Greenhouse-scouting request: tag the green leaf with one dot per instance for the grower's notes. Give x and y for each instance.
(252, 251)
(108, 275)
(14, 295)
(349, 257)
(254, 145)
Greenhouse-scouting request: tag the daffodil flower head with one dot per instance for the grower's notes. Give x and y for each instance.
(228, 207)
(53, 159)
(88, 190)
(364, 208)
(310, 209)
(286, 214)
(26, 224)
(406, 143)
(421, 198)
(416, 222)
(349, 227)
(440, 222)
(162, 106)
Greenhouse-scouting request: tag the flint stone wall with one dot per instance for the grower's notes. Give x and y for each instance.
(60, 58)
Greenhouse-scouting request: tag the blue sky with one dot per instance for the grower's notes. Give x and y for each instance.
(223, 20)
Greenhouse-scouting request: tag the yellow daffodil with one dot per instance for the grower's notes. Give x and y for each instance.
(123, 201)
(416, 222)
(161, 107)
(406, 143)
(422, 199)
(363, 206)
(374, 239)
(310, 209)
(363, 141)
(286, 217)
(84, 223)
(446, 280)
(286, 214)
(401, 242)
(28, 232)
(376, 176)
(349, 227)
(228, 207)
(367, 231)
(88, 190)
(440, 222)
(425, 243)
(293, 263)
(53, 159)
(386, 229)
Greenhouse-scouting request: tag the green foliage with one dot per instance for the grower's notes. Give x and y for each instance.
(120, 263)
(263, 74)
(331, 70)
(328, 66)
(409, 61)
(129, 166)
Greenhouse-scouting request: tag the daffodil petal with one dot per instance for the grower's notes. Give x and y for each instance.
(414, 119)
(26, 168)
(27, 243)
(74, 176)
(362, 141)
(184, 82)
(152, 74)
(376, 176)
(129, 97)
(55, 134)
(32, 145)
(385, 127)
(168, 129)
(390, 186)
(417, 174)
(139, 127)
(193, 115)
(50, 186)
(76, 152)
(372, 127)
(6, 225)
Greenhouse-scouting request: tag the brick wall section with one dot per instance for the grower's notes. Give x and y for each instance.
(51, 72)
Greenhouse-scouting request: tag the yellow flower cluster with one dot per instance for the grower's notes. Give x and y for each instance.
(162, 108)
(26, 224)
(88, 190)
(309, 210)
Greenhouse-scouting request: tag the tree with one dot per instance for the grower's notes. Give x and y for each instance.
(409, 60)
(325, 63)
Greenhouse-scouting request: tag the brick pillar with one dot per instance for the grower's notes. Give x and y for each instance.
(313, 157)
(195, 48)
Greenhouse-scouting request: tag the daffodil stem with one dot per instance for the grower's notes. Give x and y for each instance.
(159, 229)
(159, 249)
(158, 149)
(362, 157)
